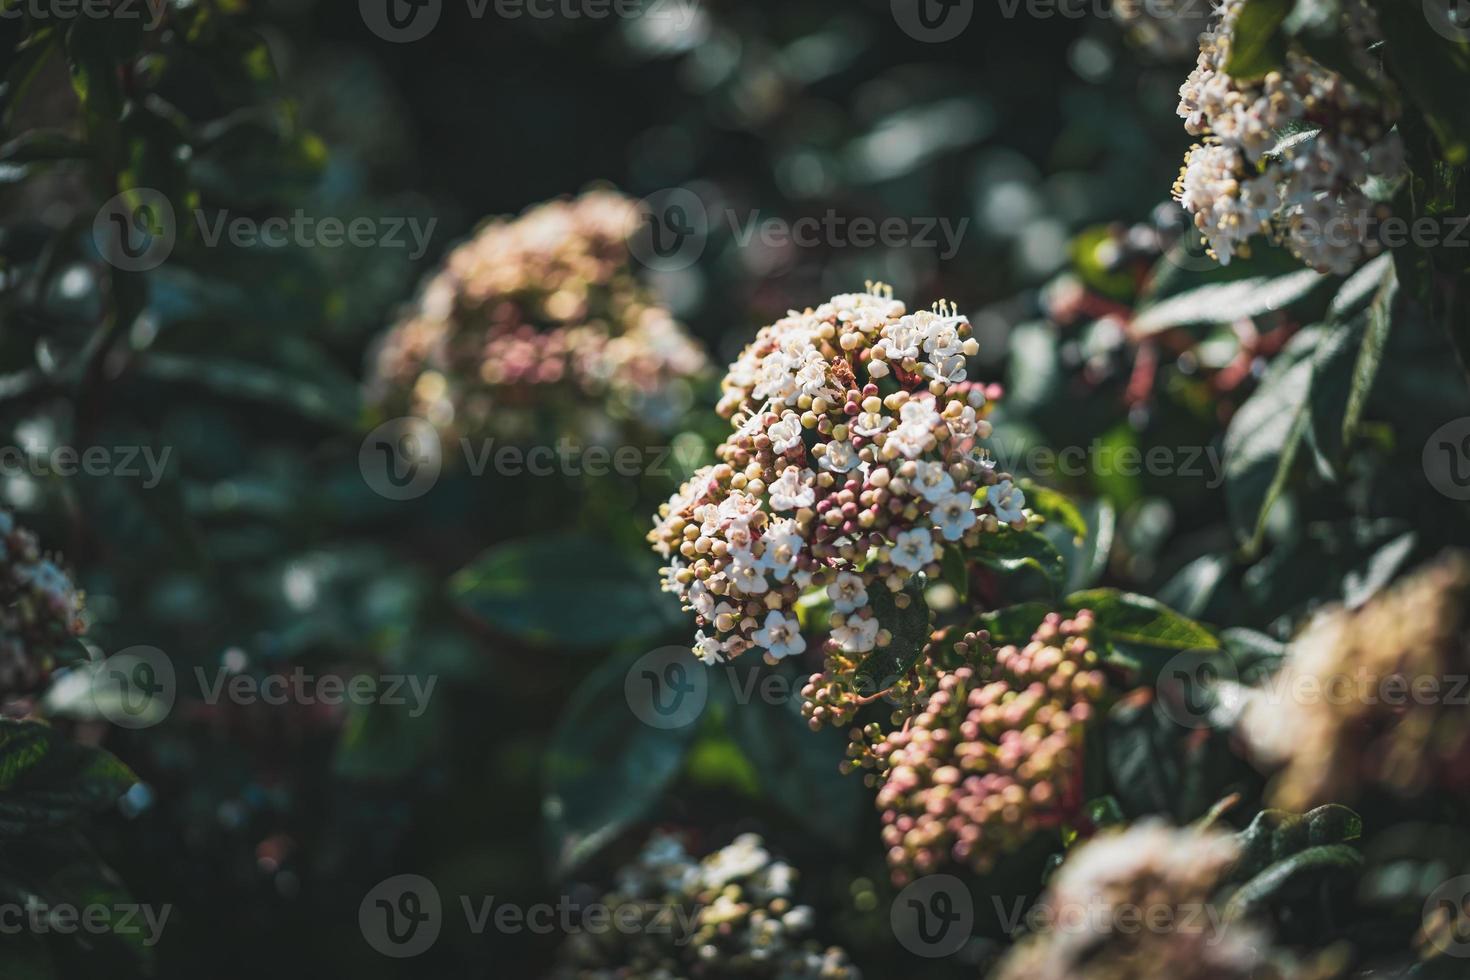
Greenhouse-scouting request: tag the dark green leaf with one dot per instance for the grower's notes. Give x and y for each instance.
(1294, 877)
(1258, 46)
(798, 768)
(526, 588)
(48, 781)
(1009, 550)
(1266, 434)
(605, 768)
(1227, 301)
(910, 629)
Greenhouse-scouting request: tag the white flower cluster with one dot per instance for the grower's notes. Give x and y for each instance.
(828, 482)
(731, 914)
(1252, 176)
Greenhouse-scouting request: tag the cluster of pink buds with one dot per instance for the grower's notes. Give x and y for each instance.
(541, 315)
(1306, 190)
(853, 464)
(40, 609)
(993, 756)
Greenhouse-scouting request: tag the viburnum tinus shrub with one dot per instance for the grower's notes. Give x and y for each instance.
(40, 610)
(732, 913)
(539, 323)
(992, 755)
(1308, 189)
(852, 466)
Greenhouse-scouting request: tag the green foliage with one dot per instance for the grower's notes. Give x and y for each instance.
(523, 588)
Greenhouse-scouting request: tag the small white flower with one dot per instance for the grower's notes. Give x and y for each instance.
(783, 546)
(933, 482)
(707, 648)
(870, 423)
(786, 433)
(952, 516)
(856, 635)
(739, 506)
(920, 413)
(793, 490)
(671, 580)
(701, 600)
(913, 549)
(949, 368)
(739, 537)
(847, 593)
(780, 636)
(840, 457)
(909, 440)
(748, 578)
(1007, 499)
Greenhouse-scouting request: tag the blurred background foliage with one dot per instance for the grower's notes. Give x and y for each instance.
(263, 548)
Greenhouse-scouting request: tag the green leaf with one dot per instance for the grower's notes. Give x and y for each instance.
(566, 589)
(798, 769)
(1013, 624)
(954, 570)
(1155, 767)
(331, 406)
(1370, 354)
(1432, 69)
(1264, 437)
(48, 781)
(1258, 45)
(1194, 585)
(1055, 506)
(1294, 877)
(605, 768)
(910, 629)
(1140, 621)
(1009, 550)
(1223, 302)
